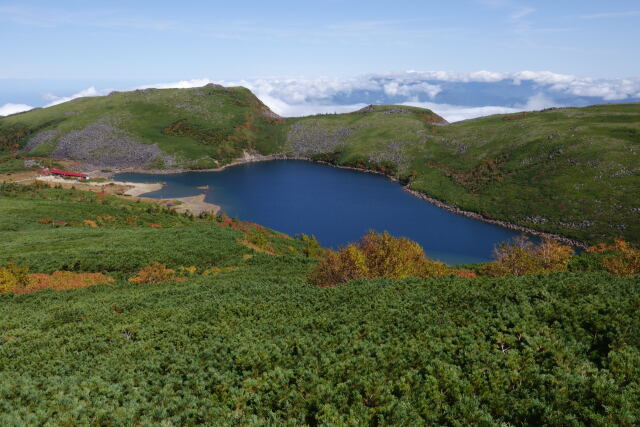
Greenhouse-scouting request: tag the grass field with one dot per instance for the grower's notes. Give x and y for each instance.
(250, 342)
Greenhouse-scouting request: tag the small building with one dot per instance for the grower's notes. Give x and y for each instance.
(66, 174)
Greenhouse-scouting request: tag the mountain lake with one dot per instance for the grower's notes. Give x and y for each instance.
(338, 206)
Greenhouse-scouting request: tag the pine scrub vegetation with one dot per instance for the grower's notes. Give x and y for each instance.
(244, 339)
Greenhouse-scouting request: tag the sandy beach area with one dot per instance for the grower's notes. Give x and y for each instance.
(195, 204)
(133, 189)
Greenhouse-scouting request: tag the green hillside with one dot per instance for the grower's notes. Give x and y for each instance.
(239, 337)
(195, 128)
(571, 171)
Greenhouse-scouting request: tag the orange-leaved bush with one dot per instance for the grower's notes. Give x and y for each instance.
(347, 264)
(375, 255)
(63, 280)
(155, 273)
(521, 256)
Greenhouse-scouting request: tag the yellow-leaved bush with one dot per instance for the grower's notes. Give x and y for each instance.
(522, 256)
(625, 261)
(13, 278)
(155, 273)
(375, 255)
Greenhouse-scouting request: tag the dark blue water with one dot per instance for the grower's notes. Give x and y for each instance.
(336, 205)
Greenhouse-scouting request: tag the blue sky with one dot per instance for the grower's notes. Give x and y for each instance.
(53, 49)
(160, 40)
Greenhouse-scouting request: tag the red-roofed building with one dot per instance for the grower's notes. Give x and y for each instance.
(66, 174)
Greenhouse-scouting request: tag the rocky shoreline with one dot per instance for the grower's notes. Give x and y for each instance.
(248, 158)
(504, 224)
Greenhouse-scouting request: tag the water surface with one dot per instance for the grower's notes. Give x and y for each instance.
(338, 206)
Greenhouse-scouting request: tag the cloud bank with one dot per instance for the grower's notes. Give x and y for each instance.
(91, 91)
(455, 96)
(8, 109)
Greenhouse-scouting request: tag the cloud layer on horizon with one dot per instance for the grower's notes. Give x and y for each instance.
(8, 109)
(455, 96)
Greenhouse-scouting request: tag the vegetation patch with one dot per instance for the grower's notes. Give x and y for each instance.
(246, 340)
(64, 280)
(156, 273)
(375, 255)
(17, 280)
(620, 258)
(485, 173)
(521, 257)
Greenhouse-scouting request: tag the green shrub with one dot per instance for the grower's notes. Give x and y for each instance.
(310, 246)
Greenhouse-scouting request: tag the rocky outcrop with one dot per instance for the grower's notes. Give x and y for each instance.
(395, 152)
(308, 138)
(40, 138)
(266, 111)
(101, 144)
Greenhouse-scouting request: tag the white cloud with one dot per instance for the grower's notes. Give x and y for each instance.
(182, 84)
(395, 88)
(451, 113)
(91, 91)
(411, 84)
(539, 101)
(296, 110)
(8, 109)
(295, 96)
(456, 113)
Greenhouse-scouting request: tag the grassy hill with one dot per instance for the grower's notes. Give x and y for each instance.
(196, 128)
(239, 337)
(571, 171)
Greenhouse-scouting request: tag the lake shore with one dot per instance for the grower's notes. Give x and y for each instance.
(195, 204)
(422, 196)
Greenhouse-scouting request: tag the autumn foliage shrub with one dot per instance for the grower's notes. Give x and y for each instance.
(13, 278)
(625, 259)
(375, 255)
(522, 256)
(18, 280)
(469, 274)
(62, 280)
(310, 246)
(155, 273)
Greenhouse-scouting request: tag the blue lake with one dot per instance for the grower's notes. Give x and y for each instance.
(338, 206)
